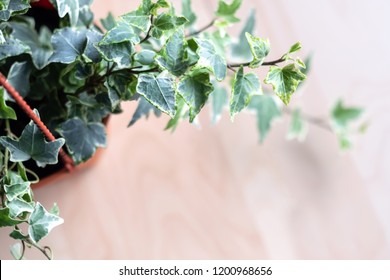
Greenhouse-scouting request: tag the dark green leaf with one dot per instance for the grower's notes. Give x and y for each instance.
(143, 110)
(284, 80)
(41, 222)
(19, 77)
(174, 55)
(32, 144)
(242, 49)
(18, 235)
(6, 112)
(259, 48)
(210, 59)
(159, 91)
(266, 111)
(82, 139)
(6, 220)
(244, 87)
(188, 13)
(195, 88)
(68, 43)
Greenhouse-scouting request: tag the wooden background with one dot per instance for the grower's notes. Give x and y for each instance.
(215, 192)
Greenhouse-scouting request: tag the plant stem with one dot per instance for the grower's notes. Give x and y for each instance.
(267, 63)
(42, 249)
(194, 33)
(313, 120)
(148, 33)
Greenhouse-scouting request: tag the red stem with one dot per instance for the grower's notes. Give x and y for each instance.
(68, 162)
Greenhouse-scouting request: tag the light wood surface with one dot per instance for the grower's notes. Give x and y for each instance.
(215, 192)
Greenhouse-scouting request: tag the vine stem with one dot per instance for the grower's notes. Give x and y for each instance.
(68, 162)
(148, 33)
(313, 120)
(192, 34)
(246, 64)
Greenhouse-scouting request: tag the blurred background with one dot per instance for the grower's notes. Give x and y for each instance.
(215, 192)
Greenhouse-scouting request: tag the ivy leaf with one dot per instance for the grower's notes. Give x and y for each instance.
(284, 80)
(2, 39)
(120, 53)
(219, 99)
(82, 139)
(210, 59)
(195, 88)
(16, 251)
(6, 220)
(181, 112)
(12, 47)
(41, 222)
(259, 48)
(266, 111)
(342, 115)
(166, 22)
(19, 77)
(90, 52)
(19, 206)
(122, 32)
(137, 19)
(298, 128)
(188, 13)
(159, 91)
(145, 57)
(294, 48)
(244, 87)
(16, 188)
(12, 8)
(69, 7)
(32, 144)
(174, 55)
(68, 43)
(143, 110)
(6, 112)
(108, 22)
(242, 49)
(227, 11)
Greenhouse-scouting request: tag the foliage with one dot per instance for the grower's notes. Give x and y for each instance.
(79, 73)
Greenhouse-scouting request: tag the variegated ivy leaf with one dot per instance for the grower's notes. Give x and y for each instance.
(143, 109)
(284, 80)
(150, 7)
(10, 8)
(259, 48)
(41, 222)
(159, 91)
(145, 57)
(210, 59)
(122, 32)
(19, 77)
(244, 87)
(188, 13)
(137, 19)
(68, 7)
(32, 144)
(12, 47)
(19, 206)
(227, 11)
(266, 111)
(120, 53)
(173, 56)
(15, 186)
(195, 88)
(166, 22)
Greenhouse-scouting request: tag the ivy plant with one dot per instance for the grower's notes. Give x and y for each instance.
(75, 71)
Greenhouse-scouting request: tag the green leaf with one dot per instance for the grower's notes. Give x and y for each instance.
(12, 8)
(187, 12)
(55, 210)
(69, 7)
(166, 22)
(227, 11)
(159, 91)
(68, 43)
(12, 47)
(244, 87)
(6, 220)
(32, 144)
(108, 22)
(219, 99)
(19, 77)
(6, 112)
(143, 110)
(242, 49)
(15, 189)
(181, 112)
(259, 48)
(120, 53)
(18, 206)
(342, 116)
(91, 54)
(195, 88)
(266, 111)
(18, 234)
(294, 48)
(82, 139)
(209, 59)
(41, 222)
(145, 57)
(284, 80)
(298, 127)
(17, 251)
(174, 55)
(122, 32)
(138, 20)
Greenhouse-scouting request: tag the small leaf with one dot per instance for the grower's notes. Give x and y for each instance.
(32, 144)
(266, 111)
(19, 206)
(227, 11)
(19, 77)
(294, 48)
(284, 80)
(108, 22)
(55, 210)
(195, 88)
(159, 91)
(137, 19)
(209, 59)
(174, 55)
(244, 87)
(166, 22)
(15, 189)
(187, 12)
(219, 99)
(82, 139)
(120, 53)
(342, 115)
(6, 112)
(298, 128)
(16, 251)
(41, 223)
(145, 57)
(143, 110)
(68, 43)
(242, 49)
(122, 32)
(18, 234)
(259, 48)
(69, 7)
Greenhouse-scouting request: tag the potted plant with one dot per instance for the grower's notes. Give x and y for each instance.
(63, 74)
